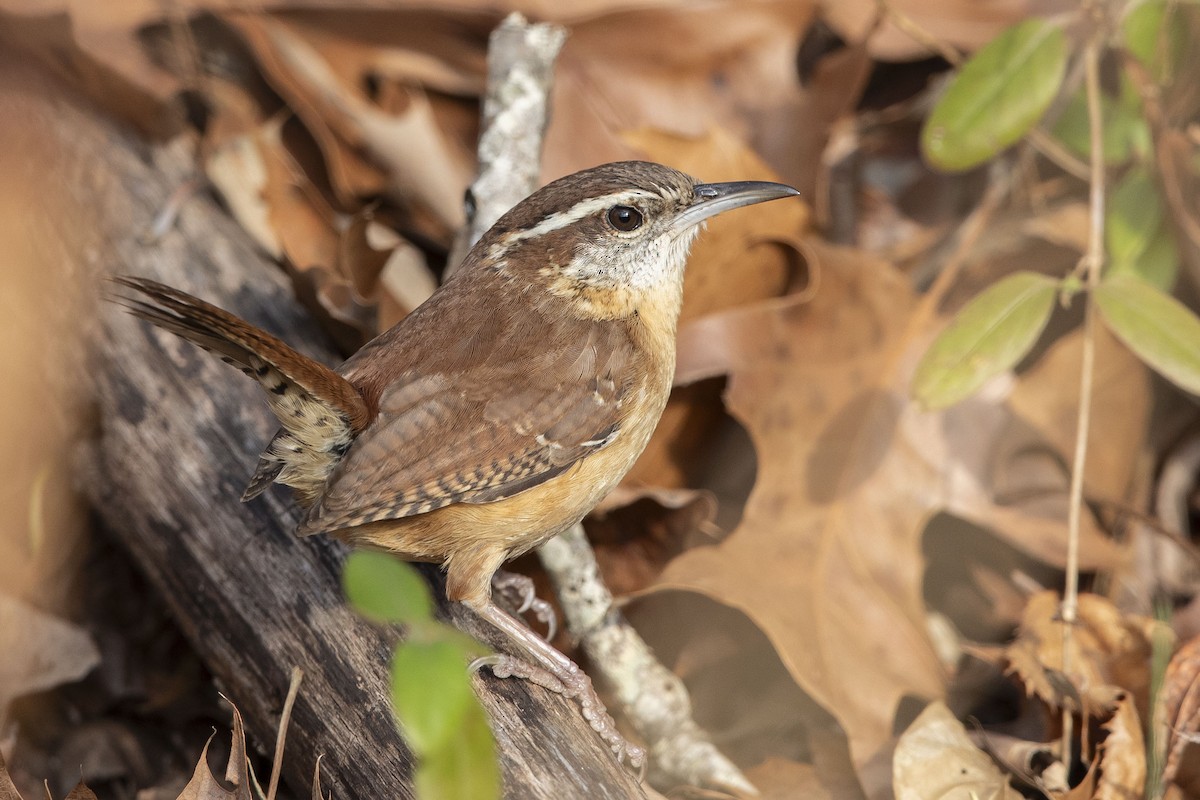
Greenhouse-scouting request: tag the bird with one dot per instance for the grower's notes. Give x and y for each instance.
(499, 412)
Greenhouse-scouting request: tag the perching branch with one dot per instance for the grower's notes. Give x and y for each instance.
(515, 111)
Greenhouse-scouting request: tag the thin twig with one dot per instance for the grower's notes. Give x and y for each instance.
(1054, 150)
(281, 735)
(999, 184)
(1092, 262)
(923, 37)
(165, 219)
(653, 699)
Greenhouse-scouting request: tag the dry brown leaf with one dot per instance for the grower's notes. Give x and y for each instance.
(1122, 754)
(342, 69)
(1181, 705)
(407, 146)
(350, 174)
(936, 760)
(1108, 649)
(781, 779)
(737, 70)
(335, 259)
(40, 651)
(8, 790)
(1085, 789)
(1046, 396)
(741, 692)
(1014, 463)
(81, 792)
(237, 169)
(205, 786)
(329, 255)
(827, 558)
(958, 23)
(636, 532)
(981, 443)
(405, 282)
(443, 48)
(95, 46)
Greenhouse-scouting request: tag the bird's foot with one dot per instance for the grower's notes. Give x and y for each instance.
(517, 591)
(572, 683)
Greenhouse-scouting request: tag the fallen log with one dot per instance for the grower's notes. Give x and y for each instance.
(179, 433)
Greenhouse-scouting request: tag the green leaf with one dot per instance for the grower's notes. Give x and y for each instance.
(1125, 131)
(1155, 34)
(997, 96)
(471, 647)
(386, 589)
(1138, 234)
(431, 692)
(466, 769)
(990, 335)
(1162, 331)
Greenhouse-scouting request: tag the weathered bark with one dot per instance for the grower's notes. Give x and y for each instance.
(179, 433)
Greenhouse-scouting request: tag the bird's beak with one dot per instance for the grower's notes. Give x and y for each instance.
(714, 198)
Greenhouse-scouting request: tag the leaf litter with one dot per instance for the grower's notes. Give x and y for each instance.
(784, 511)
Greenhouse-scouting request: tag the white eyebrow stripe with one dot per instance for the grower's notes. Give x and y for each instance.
(575, 213)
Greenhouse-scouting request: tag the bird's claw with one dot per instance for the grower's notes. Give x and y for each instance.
(577, 685)
(517, 590)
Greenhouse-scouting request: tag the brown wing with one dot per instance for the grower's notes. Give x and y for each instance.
(477, 436)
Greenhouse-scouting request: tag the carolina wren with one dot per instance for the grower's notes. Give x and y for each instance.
(498, 413)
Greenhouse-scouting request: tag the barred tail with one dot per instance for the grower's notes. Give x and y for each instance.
(319, 410)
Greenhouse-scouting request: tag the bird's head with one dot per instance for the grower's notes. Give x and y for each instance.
(613, 238)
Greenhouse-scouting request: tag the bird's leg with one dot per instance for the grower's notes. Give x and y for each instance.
(518, 592)
(552, 670)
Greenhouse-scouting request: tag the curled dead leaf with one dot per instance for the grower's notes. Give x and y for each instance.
(8, 790)
(205, 786)
(1107, 649)
(336, 260)
(1122, 753)
(1181, 707)
(322, 76)
(935, 758)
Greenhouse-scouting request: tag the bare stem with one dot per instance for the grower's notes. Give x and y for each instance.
(1093, 260)
(1052, 149)
(281, 736)
(918, 33)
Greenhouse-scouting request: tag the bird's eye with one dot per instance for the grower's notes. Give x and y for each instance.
(625, 218)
